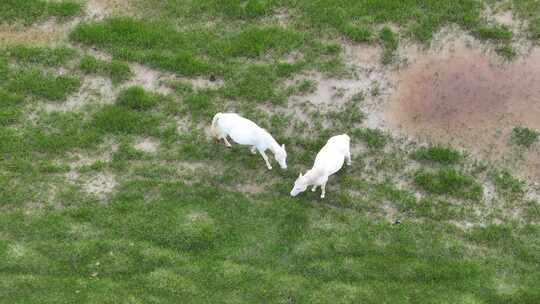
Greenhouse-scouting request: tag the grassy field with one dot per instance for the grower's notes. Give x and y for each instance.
(111, 191)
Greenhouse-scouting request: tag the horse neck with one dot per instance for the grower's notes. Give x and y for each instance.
(312, 175)
(272, 143)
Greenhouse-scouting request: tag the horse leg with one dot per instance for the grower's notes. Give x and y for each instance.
(265, 157)
(314, 188)
(227, 143)
(323, 189)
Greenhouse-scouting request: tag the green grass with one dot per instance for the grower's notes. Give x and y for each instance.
(507, 51)
(200, 104)
(117, 71)
(41, 55)
(447, 181)
(117, 119)
(256, 83)
(44, 85)
(136, 98)
(389, 41)
(496, 33)
(437, 154)
(534, 28)
(508, 185)
(523, 136)
(373, 138)
(196, 222)
(30, 11)
(158, 44)
(528, 10)
(10, 109)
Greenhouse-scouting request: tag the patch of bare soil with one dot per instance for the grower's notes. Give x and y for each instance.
(100, 185)
(49, 32)
(148, 145)
(466, 97)
(148, 78)
(251, 188)
(99, 9)
(95, 89)
(201, 83)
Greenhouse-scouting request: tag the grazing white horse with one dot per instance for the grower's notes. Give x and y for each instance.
(245, 132)
(328, 161)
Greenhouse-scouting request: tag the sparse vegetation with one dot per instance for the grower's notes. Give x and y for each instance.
(88, 215)
(507, 184)
(438, 154)
(48, 86)
(496, 33)
(373, 138)
(30, 11)
(41, 55)
(507, 51)
(389, 41)
(136, 98)
(447, 181)
(524, 136)
(116, 70)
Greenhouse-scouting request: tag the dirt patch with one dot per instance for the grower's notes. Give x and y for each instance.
(201, 83)
(330, 91)
(464, 96)
(148, 78)
(95, 89)
(148, 145)
(100, 185)
(46, 33)
(251, 188)
(99, 9)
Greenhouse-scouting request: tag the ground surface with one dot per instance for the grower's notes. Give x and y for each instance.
(112, 191)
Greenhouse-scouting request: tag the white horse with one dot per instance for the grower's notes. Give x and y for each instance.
(245, 132)
(328, 161)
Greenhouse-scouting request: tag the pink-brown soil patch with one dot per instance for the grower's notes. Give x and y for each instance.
(471, 99)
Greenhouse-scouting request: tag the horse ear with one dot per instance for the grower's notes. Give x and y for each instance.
(283, 146)
(300, 175)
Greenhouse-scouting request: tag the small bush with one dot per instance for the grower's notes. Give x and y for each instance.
(136, 98)
(523, 136)
(448, 181)
(438, 154)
